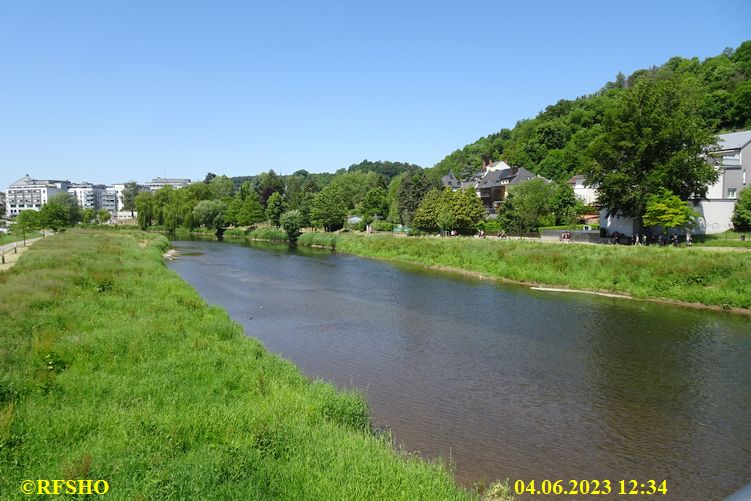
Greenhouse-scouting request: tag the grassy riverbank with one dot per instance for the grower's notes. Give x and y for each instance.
(111, 367)
(703, 276)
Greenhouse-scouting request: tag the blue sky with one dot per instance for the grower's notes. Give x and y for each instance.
(113, 91)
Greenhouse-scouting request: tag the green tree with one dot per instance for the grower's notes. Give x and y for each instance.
(467, 210)
(251, 211)
(427, 213)
(414, 185)
(60, 211)
(374, 204)
(528, 206)
(130, 192)
(210, 213)
(87, 215)
(275, 208)
(653, 139)
(291, 221)
(143, 204)
(267, 183)
(103, 216)
(446, 219)
(28, 220)
(667, 210)
(565, 206)
(328, 209)
(742, 213)
(221, 187)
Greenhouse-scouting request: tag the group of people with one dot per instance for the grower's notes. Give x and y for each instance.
(662, 240)
(566, 237)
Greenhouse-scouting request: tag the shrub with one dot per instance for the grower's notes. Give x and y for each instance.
(382, 226)
(272, 234)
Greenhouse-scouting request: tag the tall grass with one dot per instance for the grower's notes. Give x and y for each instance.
(268, 233)
(111, 367)
(689, 275)
(318, 239)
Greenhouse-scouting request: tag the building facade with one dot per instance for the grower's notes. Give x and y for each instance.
(31, 194)
(88, 196)
(161, 182)
(586, 194)
(733, 160)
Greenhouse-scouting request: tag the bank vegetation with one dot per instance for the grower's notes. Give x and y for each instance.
(113, 368)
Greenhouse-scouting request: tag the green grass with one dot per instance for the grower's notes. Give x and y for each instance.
(112, 367)
(689, 275)
(18, 237)
(729, 238)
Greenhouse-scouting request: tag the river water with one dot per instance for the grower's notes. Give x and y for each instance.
(499, 380)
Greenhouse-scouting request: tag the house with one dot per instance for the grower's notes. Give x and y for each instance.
(451, 181)
(491, 183)
(732, 159)
(586, 194)
(492, 188)
(31, 194)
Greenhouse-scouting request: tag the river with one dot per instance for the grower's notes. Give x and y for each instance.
(500, 380)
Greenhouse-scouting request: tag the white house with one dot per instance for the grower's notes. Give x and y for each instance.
(586, 194)
(733, 159)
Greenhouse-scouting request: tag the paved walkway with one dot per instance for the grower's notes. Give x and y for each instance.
(11, 255)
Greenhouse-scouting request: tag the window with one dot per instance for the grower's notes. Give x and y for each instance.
(731, 192)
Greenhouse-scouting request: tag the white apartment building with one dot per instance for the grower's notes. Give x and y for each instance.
(31, 194)
(161, 182)
(88, 195)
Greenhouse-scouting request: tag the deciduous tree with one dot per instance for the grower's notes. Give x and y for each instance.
(667, 210)
(742, 212)
(653, 139)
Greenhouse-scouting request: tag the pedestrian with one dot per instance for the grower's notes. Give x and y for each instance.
(689, 239)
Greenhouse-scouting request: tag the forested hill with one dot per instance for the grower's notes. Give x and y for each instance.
(554, 143)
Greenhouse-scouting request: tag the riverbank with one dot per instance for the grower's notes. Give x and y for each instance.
(113, 368)
(688, 277)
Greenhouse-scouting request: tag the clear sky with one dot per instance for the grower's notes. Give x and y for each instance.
(108, 91)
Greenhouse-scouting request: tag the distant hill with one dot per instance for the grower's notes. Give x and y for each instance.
(385, 168)
(553, 143)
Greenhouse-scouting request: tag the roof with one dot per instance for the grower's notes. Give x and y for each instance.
(499, 165)
(450, 180)
(734, 140)
(577, 177)
(512, 175)
(523, 175)
(169, 180)
(28, 181)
